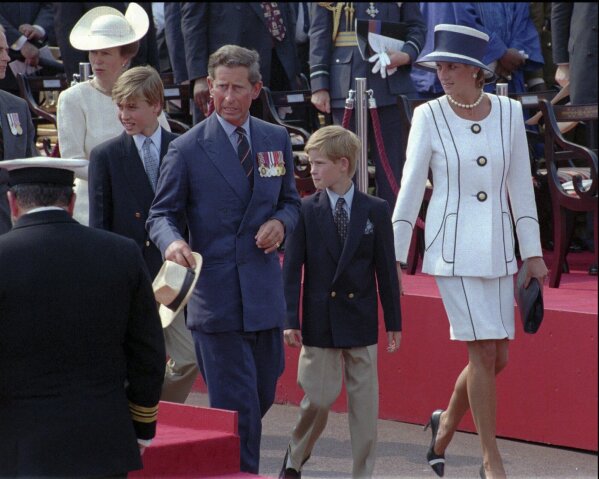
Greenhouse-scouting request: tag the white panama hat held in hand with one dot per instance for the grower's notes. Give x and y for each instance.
(173, 287)
(106, 27)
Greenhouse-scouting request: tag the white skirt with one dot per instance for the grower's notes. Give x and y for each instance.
(478, 308)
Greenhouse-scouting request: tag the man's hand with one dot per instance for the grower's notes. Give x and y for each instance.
(270, 236)
(31, 54)
(322, 101)
(562, 75)
(398, 59)
(511, 60)
(31, 32)
(293, 337)
(180, 252)
(201, 94)
(393, 340)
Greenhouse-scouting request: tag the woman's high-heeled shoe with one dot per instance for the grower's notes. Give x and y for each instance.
(436, 461)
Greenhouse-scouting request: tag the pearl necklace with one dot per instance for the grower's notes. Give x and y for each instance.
(463, 105)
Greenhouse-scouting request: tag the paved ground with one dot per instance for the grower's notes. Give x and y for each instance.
(402, 449)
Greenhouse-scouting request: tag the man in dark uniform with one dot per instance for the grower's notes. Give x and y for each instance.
(335, 62)
(16, 132)
(81, 345)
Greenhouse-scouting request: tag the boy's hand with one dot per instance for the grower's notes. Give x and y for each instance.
(293, 337)
(393, 340)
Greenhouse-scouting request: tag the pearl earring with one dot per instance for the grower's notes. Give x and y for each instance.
(474, 75)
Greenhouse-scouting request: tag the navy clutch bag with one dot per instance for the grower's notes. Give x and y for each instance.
(530, 302)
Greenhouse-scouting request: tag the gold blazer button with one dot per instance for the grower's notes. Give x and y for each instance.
(333, 294)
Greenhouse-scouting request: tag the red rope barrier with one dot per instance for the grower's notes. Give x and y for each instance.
(376, 124)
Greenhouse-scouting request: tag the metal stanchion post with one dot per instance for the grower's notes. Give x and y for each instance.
(362, 133)
(501, 89)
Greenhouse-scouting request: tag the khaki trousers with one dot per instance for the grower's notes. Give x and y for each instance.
(181, 368)
(320, 373)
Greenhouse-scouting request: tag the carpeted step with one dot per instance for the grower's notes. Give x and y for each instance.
(193, 442)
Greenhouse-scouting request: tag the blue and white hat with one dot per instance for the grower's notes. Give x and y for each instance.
(457, 44)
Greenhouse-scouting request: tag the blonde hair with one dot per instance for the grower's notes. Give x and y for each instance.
(139, 82)
(335, 142)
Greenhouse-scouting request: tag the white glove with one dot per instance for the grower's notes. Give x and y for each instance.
(382, 62)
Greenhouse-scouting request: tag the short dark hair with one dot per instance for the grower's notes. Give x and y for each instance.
(33, 195)
(236, 56)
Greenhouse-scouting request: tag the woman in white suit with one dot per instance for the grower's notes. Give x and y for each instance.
(475, 145)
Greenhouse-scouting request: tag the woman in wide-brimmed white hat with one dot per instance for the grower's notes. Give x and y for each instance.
(86, 114)
(475, 145)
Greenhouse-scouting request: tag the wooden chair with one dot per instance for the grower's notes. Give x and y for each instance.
(31, 89)
(177, 99)
(303, 178)
(406, 109)
(34, 90)
(301, 119)
(583, 196)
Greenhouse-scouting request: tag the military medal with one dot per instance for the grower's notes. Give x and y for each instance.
(271, 163)
(372, 10)
(15, 124)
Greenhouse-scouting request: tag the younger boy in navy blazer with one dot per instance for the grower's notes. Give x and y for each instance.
(344, 243)
(123, 173)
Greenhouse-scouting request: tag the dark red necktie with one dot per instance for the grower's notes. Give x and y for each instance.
(274, 20)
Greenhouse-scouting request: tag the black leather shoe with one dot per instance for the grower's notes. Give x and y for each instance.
(436, 461)
(288, 472)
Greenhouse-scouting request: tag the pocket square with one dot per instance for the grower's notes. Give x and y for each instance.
(369, 229)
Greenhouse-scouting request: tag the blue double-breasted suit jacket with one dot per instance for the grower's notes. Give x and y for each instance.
(340, 282)
(203, 185)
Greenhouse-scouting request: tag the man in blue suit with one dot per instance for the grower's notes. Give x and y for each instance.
(230, 181)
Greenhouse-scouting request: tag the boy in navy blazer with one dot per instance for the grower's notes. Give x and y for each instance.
(123, 172)
(344, 242)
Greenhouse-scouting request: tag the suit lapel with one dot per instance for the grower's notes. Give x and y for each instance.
(327, 227)
(357, 224)
(222, 154)
(134, 172)
(257, 7)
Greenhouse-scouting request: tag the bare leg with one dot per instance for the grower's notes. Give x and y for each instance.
(483, 401)
(475, 377)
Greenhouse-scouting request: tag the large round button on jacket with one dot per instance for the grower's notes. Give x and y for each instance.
(481, 161)
(481, 196)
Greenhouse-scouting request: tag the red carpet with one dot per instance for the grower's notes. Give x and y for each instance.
(193, 442)
(547, 393)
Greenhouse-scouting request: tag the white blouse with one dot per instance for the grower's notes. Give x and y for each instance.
(480, 169)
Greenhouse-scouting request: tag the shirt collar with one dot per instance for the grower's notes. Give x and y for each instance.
(230, 128)
(156, 139)
(348, 196)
